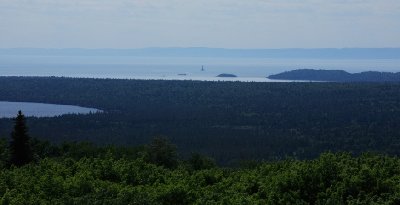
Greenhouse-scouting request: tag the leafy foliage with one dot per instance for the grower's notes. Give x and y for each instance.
(199, 162)
(162, 153)
(107, 177)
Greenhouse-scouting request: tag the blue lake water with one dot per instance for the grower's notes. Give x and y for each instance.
(247, 69)
(10, 109)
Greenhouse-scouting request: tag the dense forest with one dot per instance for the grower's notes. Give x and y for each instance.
(82, 173)
(229, 121)
(337, 76)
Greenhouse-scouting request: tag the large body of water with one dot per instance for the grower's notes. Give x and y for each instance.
(10, 109)
(247, 69)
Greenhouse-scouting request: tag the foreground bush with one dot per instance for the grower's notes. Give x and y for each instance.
(108, 179)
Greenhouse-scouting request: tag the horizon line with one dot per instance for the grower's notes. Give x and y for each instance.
(197, 47)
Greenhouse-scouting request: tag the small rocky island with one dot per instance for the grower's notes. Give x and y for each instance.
(226, 75)
(337, 76)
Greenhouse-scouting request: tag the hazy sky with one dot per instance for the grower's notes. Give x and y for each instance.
(201, 23)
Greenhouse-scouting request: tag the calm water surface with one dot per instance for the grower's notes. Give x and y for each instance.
(125, 67)
(10, 109)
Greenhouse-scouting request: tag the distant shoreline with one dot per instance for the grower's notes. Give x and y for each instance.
(171, 78)
(337, 76)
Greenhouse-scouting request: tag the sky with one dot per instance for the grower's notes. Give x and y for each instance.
(202, 23)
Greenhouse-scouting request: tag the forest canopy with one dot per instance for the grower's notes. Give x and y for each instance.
(229, 121)
(82, 173)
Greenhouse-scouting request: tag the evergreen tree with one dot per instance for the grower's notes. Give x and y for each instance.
(3, 152)
(20, 147)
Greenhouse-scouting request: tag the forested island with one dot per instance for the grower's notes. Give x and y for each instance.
(336, 76)
(226, 75)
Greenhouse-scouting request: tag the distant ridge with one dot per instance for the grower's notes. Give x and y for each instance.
(337, 76)
(324, 53)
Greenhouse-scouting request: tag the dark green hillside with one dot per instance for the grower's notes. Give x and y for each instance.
(229, 121)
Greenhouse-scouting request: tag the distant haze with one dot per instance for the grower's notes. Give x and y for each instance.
(331, 53)
(204, 23)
